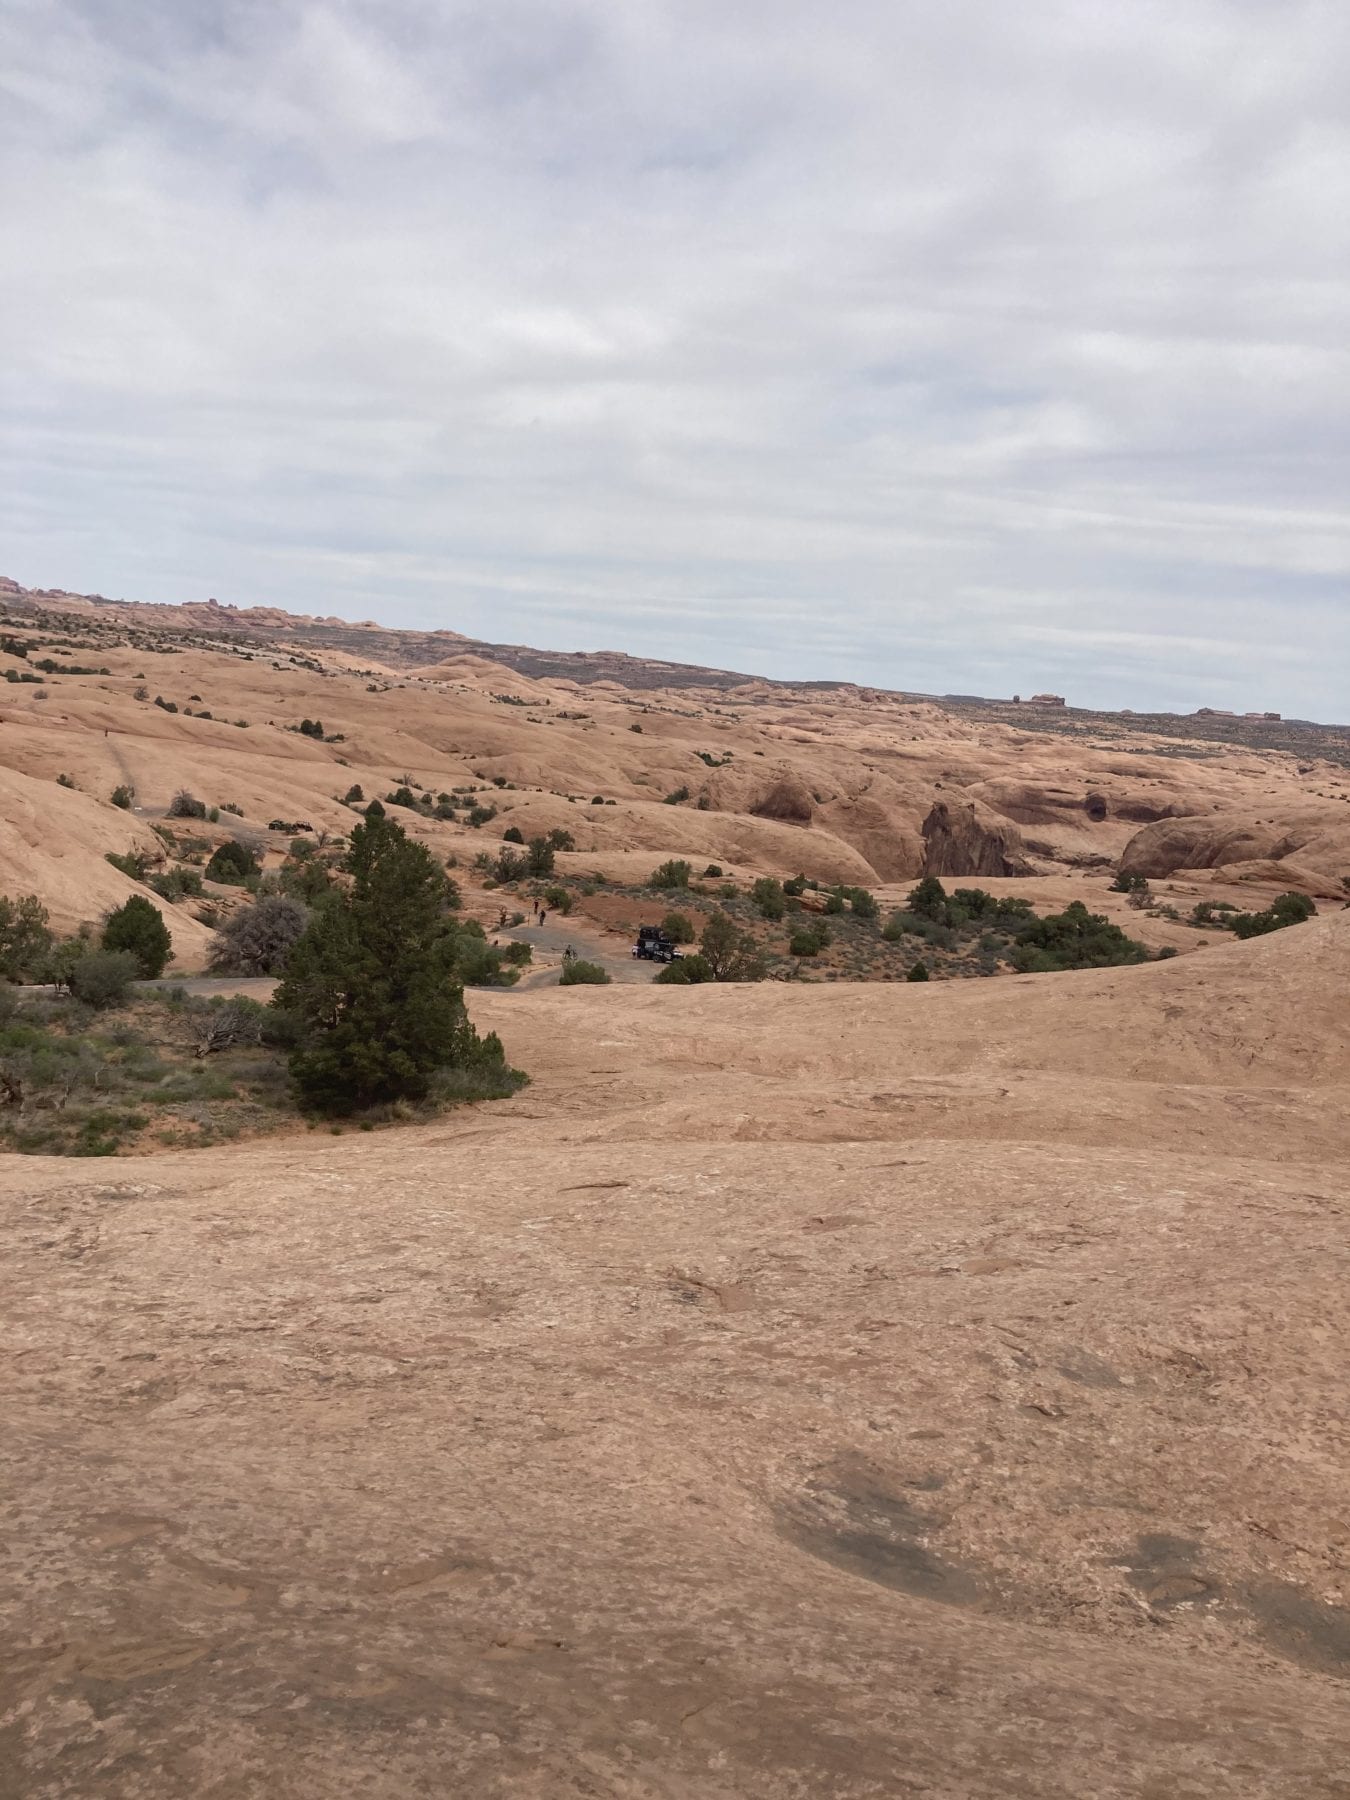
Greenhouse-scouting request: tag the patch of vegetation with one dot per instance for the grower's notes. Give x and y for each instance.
(1287, 909)
(257, 939)
(138, 929)
(672, 874)
(578, 973)
(186, 806)
(233, 864)
(372, 988)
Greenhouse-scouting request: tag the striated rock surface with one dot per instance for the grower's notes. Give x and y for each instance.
(966, 838)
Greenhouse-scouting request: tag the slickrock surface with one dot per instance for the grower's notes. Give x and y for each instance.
(792, 1395)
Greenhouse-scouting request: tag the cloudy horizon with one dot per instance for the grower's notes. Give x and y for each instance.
(964, 349)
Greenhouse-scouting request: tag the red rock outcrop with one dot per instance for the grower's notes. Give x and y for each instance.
(969, 839)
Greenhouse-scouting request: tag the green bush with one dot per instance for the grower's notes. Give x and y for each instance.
(1074, 939)
(557, 899)
(864, 904)
(689, 971)
(678, 927)
(372, 983)
(186, 806)
(767, 895)
(1288, 909)
(928, 899)
(809, 942)
(919, 972)
(25, 936)
(677, 797)
(173, 884)
(138, 929)
(513, 835)
(539, 857)
(576, 973)
(233, 864)
(713, 872)
(672, 874)
(103, 978)
(123, 797)
(730, 953)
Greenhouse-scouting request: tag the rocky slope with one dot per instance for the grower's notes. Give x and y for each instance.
(851, 786)
(822, 1392)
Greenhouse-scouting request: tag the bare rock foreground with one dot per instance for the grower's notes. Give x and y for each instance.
(794, 1393)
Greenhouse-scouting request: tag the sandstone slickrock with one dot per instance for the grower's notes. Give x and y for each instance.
(825, 1392)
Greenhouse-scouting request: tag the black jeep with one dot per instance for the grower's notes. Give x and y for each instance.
(654, 946)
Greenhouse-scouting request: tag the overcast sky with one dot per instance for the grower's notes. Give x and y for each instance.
(953, 345)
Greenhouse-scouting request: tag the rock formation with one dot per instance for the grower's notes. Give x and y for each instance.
(968, 839)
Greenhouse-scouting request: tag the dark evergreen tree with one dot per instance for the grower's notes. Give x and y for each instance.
(372, 984)
(138, 929)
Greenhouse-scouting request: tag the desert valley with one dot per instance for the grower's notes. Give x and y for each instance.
(818, 1380)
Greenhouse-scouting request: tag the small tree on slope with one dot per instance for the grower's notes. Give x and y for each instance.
(138, 929)
(371, 984)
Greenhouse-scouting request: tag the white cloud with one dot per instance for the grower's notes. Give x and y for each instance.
(891, 341)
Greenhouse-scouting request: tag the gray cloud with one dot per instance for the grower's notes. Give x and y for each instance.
(959, 348)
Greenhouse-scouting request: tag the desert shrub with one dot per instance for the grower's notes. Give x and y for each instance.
(559, 839)
(678, 927)
(557, 899)
(795, 887)
(672, 874)
(677, 797)
(689, 971)
(1074, 939)
(730, 953)
(354, 795)
(517, 955)
(304, 876)
(809, 940)
(597, 800)
(928, 899)
(25, 936)
(257, 939)
(834, 902)
(103, 978)
(123, 796)
(372, 983)
(226, 1024)
(186, 806)
(1288, 909)
(863, 903)
(135, 863)
(918, 972)
(1128, 884)
(540, 856)
(513, 835)
(138, 929)
(578, 973)
(635, 726)
(713, 872)
(233, 864)
(480, 815)
(173, 884)
(401, 796)
(767, 896)
(508, 866)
